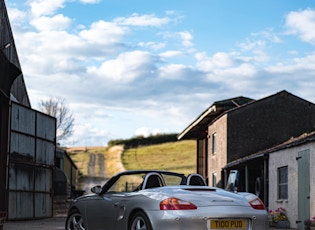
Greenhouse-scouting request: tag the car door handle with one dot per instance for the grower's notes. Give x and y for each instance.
(116, 204)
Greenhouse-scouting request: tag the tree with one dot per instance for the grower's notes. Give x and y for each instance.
(57, 108)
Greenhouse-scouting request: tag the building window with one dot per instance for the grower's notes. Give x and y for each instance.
(214, 179)
(214, 143)
(283, 183)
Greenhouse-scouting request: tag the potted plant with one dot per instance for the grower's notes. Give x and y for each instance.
(271, 218)
(309, 224)
(279, 218)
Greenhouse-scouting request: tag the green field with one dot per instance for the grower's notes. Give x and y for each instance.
(175, 156)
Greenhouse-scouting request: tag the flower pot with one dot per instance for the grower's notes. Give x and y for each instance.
(282, 224)
(271, 224)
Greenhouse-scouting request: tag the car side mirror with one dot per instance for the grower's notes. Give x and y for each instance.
(96, 189)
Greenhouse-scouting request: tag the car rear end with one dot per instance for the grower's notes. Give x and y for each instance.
(209, 208)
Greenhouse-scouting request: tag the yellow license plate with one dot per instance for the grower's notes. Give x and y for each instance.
(228, 224)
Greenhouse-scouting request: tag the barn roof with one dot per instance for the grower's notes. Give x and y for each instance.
(13, 85)
(197, 129)
(292, 142)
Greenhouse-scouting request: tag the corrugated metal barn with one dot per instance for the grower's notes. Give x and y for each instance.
(31, 161)
(28, 142)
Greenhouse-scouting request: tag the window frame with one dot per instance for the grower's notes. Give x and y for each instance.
(214, 179)
(214, 143)
(282, 183)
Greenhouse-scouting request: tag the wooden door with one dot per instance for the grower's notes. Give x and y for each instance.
(303, 160)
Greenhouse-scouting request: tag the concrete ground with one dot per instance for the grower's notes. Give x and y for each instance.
(55, 223)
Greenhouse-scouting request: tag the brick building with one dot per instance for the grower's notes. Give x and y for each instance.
(235, 137)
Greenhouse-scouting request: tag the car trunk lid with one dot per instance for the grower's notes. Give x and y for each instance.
(202, 196)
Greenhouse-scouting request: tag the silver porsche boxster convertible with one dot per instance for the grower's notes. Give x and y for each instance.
(160, 200)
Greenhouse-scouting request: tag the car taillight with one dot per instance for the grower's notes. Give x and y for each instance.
(176, 204)
(257, 204)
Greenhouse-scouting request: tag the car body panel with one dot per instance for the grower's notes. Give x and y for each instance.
(115, 209)
(99, 214)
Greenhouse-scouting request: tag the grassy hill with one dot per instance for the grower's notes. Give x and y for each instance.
(177, 156)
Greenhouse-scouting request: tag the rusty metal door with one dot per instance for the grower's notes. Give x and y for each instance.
(31, 160)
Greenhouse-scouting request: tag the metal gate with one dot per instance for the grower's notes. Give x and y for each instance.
(31, 160)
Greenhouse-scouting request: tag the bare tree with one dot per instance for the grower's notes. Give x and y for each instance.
(57, 108)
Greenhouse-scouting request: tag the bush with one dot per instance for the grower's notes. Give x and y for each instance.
(144, 141)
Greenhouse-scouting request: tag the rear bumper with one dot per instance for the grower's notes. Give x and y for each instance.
(200, 218)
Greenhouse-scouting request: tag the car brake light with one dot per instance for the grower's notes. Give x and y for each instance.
(176, 204)
(257, 204)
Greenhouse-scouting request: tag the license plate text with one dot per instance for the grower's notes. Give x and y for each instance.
(228, 224)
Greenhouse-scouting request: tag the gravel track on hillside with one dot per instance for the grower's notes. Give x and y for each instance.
(97, 174)
(91, 165)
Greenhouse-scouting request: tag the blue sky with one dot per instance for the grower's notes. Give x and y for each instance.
(138, 67)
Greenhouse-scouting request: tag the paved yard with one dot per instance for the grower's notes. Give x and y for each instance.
(55, 223)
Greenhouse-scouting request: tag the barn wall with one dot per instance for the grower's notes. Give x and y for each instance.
(217, 160)
(267, 123)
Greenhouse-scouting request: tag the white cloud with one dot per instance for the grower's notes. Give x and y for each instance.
(142, 20)
(98, 68)
(249, 45)
(49, 52)
(126, 67)
(152, 45)
(302, 24)
(53, 49)
(45, 7)
(90, 1)
(186, 38)
(171, 53)
(175, 71)
(268, 35)
(243, 70)
(299, 67)
(218, 60)
(256, 46)
(102, 32)
(229, 70)
(16, 15)
(57, 22)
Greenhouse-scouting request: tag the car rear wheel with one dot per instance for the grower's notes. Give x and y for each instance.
(75, 221)
(140, 221)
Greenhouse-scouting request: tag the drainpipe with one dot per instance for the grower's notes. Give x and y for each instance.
(246, 178)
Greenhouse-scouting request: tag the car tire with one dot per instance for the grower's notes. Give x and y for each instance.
(75, 221)
(140, 221)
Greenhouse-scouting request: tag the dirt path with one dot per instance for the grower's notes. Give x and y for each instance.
(94, 177)
(100, 167)
(113, 162)
(96, 161)
(91, 165)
